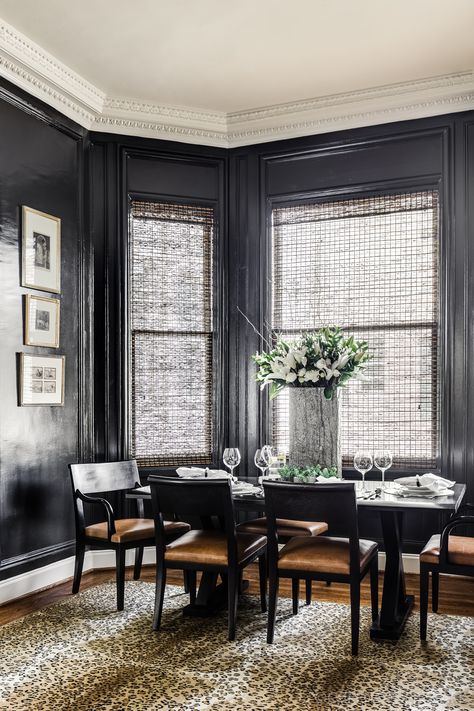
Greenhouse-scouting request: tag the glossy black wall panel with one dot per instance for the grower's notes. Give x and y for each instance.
(120, 167)
(40, 168)
(351, 163)
(425, 153)
(42, 156)
(160, 175)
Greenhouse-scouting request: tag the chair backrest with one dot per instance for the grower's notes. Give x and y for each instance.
(335, 504)
(186, 498)
(108, 476)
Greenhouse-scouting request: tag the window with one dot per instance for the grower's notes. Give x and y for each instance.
(171, 338)
(369, 265)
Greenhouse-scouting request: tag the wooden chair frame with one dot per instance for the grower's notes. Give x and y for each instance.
(443, 566)
(95, 478)
(334, 504)
(208, 499)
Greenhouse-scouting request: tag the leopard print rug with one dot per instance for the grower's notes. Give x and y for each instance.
(81, 654)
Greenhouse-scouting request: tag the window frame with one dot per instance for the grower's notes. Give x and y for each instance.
(445, 345)
(217, 323)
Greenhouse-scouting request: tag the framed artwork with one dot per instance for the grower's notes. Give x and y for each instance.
(41, 251)
(41, 321)
(41, 380)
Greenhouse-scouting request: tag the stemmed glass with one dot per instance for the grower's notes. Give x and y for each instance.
(269, 453)
(275, 457)
(363, 462)
(231, 459)
(261, 463)
(383, 460)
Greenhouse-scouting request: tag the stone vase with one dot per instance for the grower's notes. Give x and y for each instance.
(314, 429)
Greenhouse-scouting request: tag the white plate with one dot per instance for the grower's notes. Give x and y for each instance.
(409, 482)
(244, 486)
(418, 494)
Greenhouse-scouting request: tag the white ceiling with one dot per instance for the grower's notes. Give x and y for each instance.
(227, 56)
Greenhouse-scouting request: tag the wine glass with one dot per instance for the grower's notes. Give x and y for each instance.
(261, 463)
(363, 462)
(383, 460)
(274, 457)
(231, 459)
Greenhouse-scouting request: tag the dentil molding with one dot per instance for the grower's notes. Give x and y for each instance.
(29, 66)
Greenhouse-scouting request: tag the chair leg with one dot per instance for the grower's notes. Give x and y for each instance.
(355, 615)
(262, 574)
(190, 578)
(434, 591)
(137, 568)
(374, 588)
(308, 591)
(295, 590)
(160, 584)
(424, 585)
(272, 602)
(120, 558)
(233, 579)
(186, 582)
(78, 564)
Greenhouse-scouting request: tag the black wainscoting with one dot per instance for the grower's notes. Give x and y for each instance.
(41, 166)
(122, 168)
(425, 153)
(48, 162)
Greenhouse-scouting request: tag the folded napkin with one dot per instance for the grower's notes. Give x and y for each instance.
(425, 486)
(197, 473)
(427, 482)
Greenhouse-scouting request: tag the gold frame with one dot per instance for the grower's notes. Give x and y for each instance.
(30, 342)
(22, 376)
(24, 211)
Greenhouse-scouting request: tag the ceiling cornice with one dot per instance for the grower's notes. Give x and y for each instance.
(29, 66)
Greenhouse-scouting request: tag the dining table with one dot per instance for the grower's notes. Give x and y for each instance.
(392, 508)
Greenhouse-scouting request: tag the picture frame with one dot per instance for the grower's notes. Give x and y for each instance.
(41, 251)
(41, 380)
(41, 321)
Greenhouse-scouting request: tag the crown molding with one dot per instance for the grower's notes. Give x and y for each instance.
(29, 66)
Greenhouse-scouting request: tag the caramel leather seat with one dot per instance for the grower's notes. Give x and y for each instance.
(210, 547)
(133, 529)
(116, 534)
(445, 553)
(285, 527)
(460, 550)
(323, 555)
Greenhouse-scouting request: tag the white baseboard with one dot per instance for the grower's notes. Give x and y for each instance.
(40, 578)
(48, 575)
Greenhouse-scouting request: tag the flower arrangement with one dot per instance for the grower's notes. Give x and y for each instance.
(323, 359)
(308, 475)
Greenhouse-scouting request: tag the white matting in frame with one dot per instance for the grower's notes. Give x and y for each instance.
(41, 321)
(41, 251)
(41, 380)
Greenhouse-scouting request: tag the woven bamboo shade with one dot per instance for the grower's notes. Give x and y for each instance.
(369, 265)
(171, 333)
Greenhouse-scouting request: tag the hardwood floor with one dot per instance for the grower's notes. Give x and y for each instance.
(456, 594)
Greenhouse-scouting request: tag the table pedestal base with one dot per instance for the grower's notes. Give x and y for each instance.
(396, 604)
(395, 632)
(211, 597)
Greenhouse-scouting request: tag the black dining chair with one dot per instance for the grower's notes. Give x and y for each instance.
(445, 553)
(116, 534)
(221, 550)
(338, 557)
